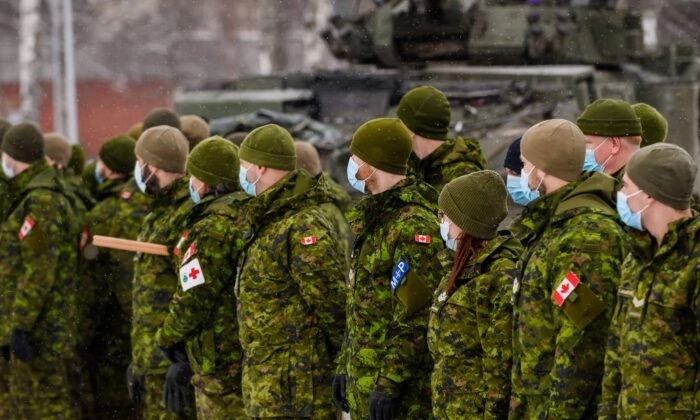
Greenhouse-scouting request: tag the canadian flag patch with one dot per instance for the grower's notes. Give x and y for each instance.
(125, 195)
(191, 275)
(565, 288)
(308, 240)
(422, 239)
(26, 227)
(189, 253)
(183, 238)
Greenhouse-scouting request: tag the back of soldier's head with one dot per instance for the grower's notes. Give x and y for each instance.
(426, 111)
(194, 128)
(308, 158)
(654, 125)
(610, 118)
(117, 154)
(269, 146)
(57, 148)
(163, 147)
(557, 147)
(214, 161)
(24, 143)
(161, 116)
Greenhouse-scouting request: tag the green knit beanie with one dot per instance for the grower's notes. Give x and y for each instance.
(270, 146)
(164, 147)
(383, 143)
(57, 148)
(117, 154)
(194, 128)
(664, 171)
(24, 142)
(161, 116)
(76, 163)
(609, 118)
(214, 161)
(4, 126)
(426, 112)
(556, 147)
(475, 202)
(654, 125)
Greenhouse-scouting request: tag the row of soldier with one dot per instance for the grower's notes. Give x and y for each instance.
(586, 306)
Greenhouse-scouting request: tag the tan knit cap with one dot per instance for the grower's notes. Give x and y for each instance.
(556, 147)
(164, 147)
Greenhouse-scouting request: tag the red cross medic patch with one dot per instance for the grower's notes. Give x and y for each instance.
(565, 288)
(26, 227)
(191, 275)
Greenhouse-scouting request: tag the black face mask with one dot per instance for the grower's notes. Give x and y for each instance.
(152, 184)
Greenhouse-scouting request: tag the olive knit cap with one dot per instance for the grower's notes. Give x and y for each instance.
(117, 154)
(194, 128)
(4, 126)
(24, 142)
(475, 202)
(654, 125)
(426, 112)
(383, 143)
(308, 158)
(664, 171)
(76, 163)
(135, 131)
(556, 147)
(609, 118)
(57, 148)
(270, 146)
(161, 116)
(214, 161)
(164, 147)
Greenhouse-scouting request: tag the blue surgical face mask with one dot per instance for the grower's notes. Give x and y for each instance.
(138, 177)
(98, 177)
(444, 232)
(518, 195)
(589, 161)
(7, 170)
(194, 194)
(630, 218)
(352, 170)
(248, 187)
(522, 193)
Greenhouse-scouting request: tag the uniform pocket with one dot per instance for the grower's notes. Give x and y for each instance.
(266, 380)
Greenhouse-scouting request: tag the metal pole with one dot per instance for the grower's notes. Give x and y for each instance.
(69, 63)
(29, 59)
(59, 118)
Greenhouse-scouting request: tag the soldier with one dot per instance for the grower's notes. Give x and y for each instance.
(194, 128)
(613, 133)
(571, 268)
(161, 153)
(5, 200)
(160, 116)
(200, 333)
(37, 280)
(469, 333)
(135, 131)
(308, 159)
(106, 288)
(290, 286)
(654, 125)
(384, 368)
(652, 364)
(436, 159)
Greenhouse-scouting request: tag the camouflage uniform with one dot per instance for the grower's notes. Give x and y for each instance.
(37, 279)
(5, 207)
(557, 366)
(290, 301)
(204, 316)
(469, 336)
(385, 346)
(155, 282)
(653, 353)
(106, 296)
(334, 213)
(453, 158)
(340, 195)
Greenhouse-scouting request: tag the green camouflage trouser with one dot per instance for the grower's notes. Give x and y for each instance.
(154, 409)
(4, 389)
(216, 407)
(39, 389)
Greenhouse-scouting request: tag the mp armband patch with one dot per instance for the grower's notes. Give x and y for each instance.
(399, 273)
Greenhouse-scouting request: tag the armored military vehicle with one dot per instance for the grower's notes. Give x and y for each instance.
(504, 65)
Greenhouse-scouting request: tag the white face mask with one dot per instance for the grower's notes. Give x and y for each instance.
(444, 232)
(7, 169)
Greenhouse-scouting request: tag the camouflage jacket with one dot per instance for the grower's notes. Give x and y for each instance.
(455, 157)
(37, 277)
(340, 196)
(557, 354)
(385, 346)
(469, 335)
(155, 279)
(334, 213)
(290, 298)
(106, 289)
(203, 311)
(652, 361)
(5, 197)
